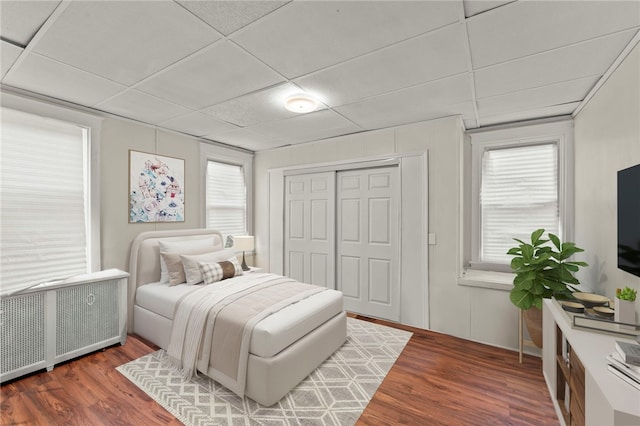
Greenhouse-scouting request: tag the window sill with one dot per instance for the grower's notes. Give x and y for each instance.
(487, 279)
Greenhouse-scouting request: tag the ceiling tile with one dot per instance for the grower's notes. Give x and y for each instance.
(20, 20)
(8, 55)
(527, 27)
(410, 105)
(551, 111)
(526, 100)
(229, 16)
(197, 124)
(245, 139)
(425, 58)
(257, 107)
(475, 7)
(306, 36)
(306, 127)
(579, 60)
(215, 74)
(43, 75)
(124, 41)
(143, 107)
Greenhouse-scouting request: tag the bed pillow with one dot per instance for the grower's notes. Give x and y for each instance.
(175, 270)
(188, 246)
(218, 271)
(190, 263)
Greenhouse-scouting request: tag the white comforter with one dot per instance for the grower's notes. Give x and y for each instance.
(192, 337)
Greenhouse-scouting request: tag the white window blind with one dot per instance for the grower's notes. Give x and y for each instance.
(226, 198)
(43, 200)
(519, 194)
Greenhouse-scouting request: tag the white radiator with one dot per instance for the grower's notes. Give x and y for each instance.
(52, 323)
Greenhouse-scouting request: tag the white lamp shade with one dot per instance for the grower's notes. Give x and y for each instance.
(243, 242)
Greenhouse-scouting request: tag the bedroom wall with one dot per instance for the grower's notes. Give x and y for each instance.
(117, 138)
(449, 304)
(607, 139)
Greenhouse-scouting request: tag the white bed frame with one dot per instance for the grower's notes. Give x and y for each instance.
(268, 379)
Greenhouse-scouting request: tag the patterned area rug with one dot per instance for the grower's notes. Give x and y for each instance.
(334, 394)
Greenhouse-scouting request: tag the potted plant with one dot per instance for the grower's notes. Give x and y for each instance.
(625, 311)
(542, 271)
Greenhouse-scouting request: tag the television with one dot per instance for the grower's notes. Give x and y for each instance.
(629, 220)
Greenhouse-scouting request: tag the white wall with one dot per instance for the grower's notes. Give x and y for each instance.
(118, 137)
(607, 139)
(450, 304)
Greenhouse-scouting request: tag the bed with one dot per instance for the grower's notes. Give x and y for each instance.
(284, 347)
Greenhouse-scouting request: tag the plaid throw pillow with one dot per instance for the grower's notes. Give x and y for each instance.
(218, 271)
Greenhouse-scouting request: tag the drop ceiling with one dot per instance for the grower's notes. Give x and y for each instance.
(220, 70)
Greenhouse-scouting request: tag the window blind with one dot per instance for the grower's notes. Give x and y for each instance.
(519, 194)
(43, 198)
(226, 199)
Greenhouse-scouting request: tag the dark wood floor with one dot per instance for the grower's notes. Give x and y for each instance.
(437, 380)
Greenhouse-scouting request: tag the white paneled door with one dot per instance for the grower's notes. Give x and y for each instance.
(341, 231)
(309, 240)
(367, 241)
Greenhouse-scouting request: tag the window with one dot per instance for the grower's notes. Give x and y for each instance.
(519, 184)
(226, 198)
(44, 200)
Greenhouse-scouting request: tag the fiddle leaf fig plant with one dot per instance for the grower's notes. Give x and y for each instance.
(543, 270)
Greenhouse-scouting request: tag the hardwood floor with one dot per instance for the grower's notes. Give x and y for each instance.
(437, 380)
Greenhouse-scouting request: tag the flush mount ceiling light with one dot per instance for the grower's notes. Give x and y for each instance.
(300, 103)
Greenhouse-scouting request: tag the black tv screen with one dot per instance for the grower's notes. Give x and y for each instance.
(629, 220)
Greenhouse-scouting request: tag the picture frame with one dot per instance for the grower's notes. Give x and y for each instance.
(156, 188)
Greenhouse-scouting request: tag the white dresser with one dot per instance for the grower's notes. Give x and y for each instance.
(608, 400)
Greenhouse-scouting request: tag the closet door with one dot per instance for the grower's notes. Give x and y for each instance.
(367, 241)
(309, 230)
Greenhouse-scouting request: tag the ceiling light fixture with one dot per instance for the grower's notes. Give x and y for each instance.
(300, 103)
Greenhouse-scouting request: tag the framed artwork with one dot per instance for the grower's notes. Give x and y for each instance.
(156, 188)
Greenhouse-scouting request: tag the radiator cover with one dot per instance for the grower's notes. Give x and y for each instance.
(51, 324)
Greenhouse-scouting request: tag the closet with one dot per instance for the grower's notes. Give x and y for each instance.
(342, 231)
(357, 226)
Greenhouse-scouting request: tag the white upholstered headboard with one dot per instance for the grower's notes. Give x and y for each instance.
(144, 259)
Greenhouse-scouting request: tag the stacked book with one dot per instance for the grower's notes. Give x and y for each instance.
(625, 363)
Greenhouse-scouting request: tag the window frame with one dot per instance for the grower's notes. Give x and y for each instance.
(220, 154)
(558, 132)
(92, 125)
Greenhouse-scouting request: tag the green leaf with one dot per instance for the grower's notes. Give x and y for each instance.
(514, 251)
(535, 236)
(538, 303)
(521, 298)
(571, 267)
(517, 263)
(523, 281)
(541, 259)
(569, 249)
(555, 240)
(537, 288)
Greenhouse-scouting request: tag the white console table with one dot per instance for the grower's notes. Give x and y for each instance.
(608, 400)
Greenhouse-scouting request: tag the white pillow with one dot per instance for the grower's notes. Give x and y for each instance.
(187, 246)
(190, 263)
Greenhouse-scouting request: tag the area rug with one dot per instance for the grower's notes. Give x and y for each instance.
(335, 394)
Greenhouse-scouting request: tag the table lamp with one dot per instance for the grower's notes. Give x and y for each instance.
(244, 243)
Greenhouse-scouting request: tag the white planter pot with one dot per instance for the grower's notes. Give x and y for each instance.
(625, 312)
